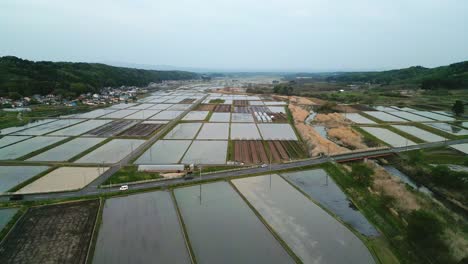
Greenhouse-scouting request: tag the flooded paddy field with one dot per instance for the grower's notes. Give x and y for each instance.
(223, 229)
(196, 115)
(220, 117)
(142, 130)
(214, 131)
(95, 113)
(51, 234)
(64, 179)
(389, 137)
(448, 128)
(160, 106)
(48, 127)
(277, 132)
(164, 152)
(312, 234)
(141, 228)
(8, 140)
(242, 118)
(67, 150)
(80, 128)
(143, 114)
(111, 152)
(184, 131)
(419, 133)
(434, 116)
(122, 106)
(277, 109)
(385, 116)
(358, 119)
(119, 114)
(27, 146)
(206, 152)
(256, 103)
(9, 130)
(461, 147)
(179, 107)
(244, 131)
(11, 176)
(323, 189)
(412, 117)
(6, 215)
(167, 115)
(112, 128)
(140, 106)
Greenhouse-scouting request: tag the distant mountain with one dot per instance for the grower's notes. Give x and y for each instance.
(453, 76)
(70, 79)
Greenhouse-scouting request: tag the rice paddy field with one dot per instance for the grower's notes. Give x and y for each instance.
(448, 128)
(48, 127)
(242, 118)
(95, 113)
(419, 133)
(206, 152)
(411, 116)
(385, 116)
(166, 115)
(27, 146)
(64, 179)
(214, 131)
(209, 222)
(11, 176)
(312, 234)
(244, 132)
(277, 132)
(196, 115)
(148, 227)
(67, 150)
(461, 147)
(358, 119)
(111, 152)
(220, 117)
(8, 140)
(143, 114)
(80, 128)
(6, 215)
(434, 116)
(34, 123)
(164, 152)
(389, 137)
(184, 131)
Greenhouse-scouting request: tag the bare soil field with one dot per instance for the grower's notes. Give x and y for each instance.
(249, 151)
(240, 102)
(206, 107)
(112, 128)
(278, 117)
(222, 108)
(51, 234)
(285, 150)
(141, 130)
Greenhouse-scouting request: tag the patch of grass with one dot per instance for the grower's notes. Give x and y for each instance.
(218, 168)
(130, 174)
(216, 101)
(208, 116)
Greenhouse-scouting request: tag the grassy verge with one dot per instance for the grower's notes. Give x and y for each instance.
(219, 168)
(216, 101)
(130, 174)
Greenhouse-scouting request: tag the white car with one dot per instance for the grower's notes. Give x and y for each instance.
(123, 187)
(264, 166)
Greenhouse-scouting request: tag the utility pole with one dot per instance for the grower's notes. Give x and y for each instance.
(270, 168)
(200, 171)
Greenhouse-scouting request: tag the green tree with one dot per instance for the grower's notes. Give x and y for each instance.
(15, 96)
(362, 174)
(458, 108)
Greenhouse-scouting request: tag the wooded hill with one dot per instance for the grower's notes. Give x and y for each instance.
(71, 79)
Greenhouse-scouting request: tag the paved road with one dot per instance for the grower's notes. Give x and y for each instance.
(93, 188)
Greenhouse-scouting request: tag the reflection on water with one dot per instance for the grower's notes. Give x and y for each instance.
(321, 188)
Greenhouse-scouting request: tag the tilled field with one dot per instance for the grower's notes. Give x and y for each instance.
(251, 109)
(51, 234)
(282, 150)
(141, 130)
(112, 128)
(240, 102)
(206, 107)
(222, 108)
(249, 151)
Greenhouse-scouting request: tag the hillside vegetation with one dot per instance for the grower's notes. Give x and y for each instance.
(453, 76)
(70, 79)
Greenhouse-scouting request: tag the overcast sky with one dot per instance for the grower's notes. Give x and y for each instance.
(286, 35)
